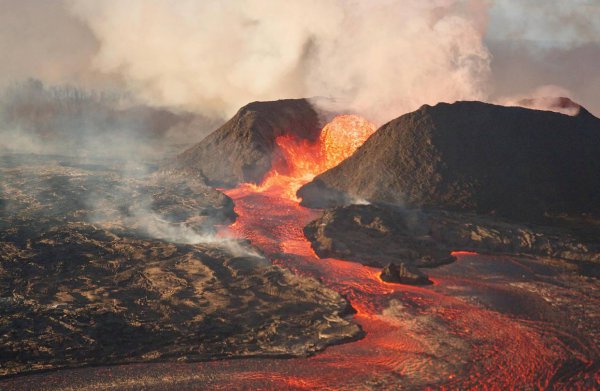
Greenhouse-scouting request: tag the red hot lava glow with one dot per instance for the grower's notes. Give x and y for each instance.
(299, 161)
(416, 337)
(436, 337)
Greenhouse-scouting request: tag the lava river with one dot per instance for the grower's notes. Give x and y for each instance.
(463, 332)
(415, 337)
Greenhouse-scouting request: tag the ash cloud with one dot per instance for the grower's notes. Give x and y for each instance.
(41, 39)
(378, 59)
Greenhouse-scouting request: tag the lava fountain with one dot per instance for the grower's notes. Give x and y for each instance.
(415, 337)
(297, 162)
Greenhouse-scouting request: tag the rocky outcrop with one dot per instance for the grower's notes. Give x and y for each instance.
(472, 156)
(488, 235)
(242, 149)
(378, 235)
(403, 274)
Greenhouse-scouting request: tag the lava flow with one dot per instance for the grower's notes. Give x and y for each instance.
(297, 162)
(415, 337)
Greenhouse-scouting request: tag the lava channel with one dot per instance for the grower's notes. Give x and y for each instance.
(435, 337)
(415, 337)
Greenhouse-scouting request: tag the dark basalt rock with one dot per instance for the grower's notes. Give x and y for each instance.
(97, 268)
(403, 274)
(242, 149)
(377, 235)
(471, 156)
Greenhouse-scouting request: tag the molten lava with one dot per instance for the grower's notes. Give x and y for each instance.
(416, 336)
(299, 161)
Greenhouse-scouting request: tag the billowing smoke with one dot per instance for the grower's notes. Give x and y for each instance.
(379, 59)
(40, 39)
(161, 207)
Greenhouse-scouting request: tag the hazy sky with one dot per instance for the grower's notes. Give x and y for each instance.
(379, 58)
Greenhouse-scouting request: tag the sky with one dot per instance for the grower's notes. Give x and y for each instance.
(379, 59)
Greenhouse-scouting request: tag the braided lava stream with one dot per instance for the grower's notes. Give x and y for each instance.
(415, 337)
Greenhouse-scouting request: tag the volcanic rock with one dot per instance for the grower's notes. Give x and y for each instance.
(242, 149)
(404, 274)
(377, 235)
(99, 268)
(473, 156)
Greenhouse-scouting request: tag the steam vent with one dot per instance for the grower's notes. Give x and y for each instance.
(299, 195)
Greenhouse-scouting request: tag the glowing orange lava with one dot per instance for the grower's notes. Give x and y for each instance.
(416, 337)
(438, 337)
(455, 253)
(299, 161)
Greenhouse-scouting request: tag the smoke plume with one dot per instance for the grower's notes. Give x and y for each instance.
(376, 58)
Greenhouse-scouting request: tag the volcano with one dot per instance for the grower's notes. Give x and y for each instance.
(242, 149)
(472, 156)
(138, 284)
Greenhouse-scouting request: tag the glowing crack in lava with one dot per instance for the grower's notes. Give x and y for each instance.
(415, 337)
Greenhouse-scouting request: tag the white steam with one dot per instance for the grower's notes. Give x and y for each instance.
(379, 59)
(157, 227)
(161, 207)
(547, 97)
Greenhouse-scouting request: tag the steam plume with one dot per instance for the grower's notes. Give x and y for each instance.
(379, 58)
